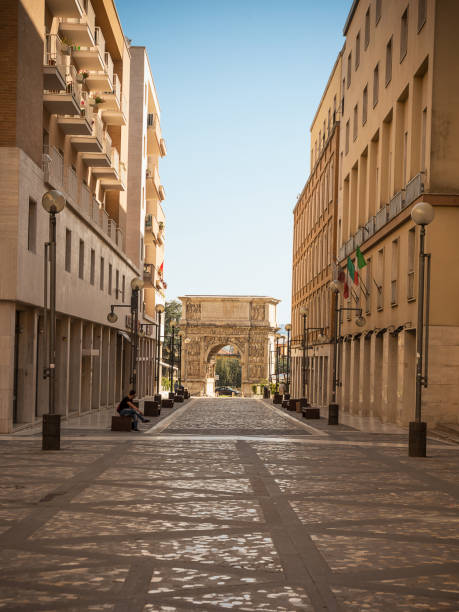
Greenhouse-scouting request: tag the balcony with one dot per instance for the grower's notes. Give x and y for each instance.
(54, 63)
(80, 31)
(414, 189)
(162, 193)
(93, 143)
(66, 8)
(153, 134)
(151, 229)
(162, 147)
(91, 57)
(113, 104)
(380, 218)
(65, 101)
(396, 205)
(101, 78)
(149, 275)
(152, 176)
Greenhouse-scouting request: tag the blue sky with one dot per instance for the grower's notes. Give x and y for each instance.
(238, 83)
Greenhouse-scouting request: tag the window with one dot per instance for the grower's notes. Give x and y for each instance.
(368, 287)
(394, 274)
(422, 13)
(342, 99)
(405, 158)
(423, 138)
(328, 122)
(123, 288)
(357, 51)
(32, 226)
(102, 274)
(380, 280)
(365, 105)
(110, 279)
(411, 262)
(389, 62)
(117, 283)
(367, 28)
(377, 11)
(404, 35)
(356, 121)
(81, 261)
(349, 69)
(68, 250)
(334, 110)
(375, 85)
(92, 273)
(347, 137)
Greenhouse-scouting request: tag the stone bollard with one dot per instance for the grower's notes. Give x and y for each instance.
(333, 414)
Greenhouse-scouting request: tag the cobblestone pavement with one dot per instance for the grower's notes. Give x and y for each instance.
(183, 521)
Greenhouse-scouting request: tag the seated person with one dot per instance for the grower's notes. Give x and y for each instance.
(127, 408)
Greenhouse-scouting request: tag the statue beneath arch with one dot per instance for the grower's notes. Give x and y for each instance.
(211, 322)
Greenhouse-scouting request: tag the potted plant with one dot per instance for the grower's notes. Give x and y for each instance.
(66, 46)
(161, 226)
(81, 76)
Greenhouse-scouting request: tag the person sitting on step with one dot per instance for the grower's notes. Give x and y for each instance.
(127, 408)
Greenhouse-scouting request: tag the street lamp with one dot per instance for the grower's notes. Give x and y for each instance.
(336, 286)
(277, 336)
(304, 311)
(53, 202)
(172, 343)
(159, 309)
(181, 335)
(112, 317)
(187, 341)
(288, 327)
(422, 214)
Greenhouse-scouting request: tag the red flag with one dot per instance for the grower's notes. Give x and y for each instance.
(342, 279)
(161, 269)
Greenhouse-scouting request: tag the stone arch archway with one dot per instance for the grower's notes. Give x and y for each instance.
(212, 322)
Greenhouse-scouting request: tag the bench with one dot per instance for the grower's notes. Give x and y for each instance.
(121, 423)
(167, 403)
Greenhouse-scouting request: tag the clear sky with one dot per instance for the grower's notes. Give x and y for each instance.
(238, 83)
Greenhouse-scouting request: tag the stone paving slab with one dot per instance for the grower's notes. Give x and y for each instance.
(251, 522)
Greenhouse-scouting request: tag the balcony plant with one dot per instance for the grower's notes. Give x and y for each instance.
(66, 46)
(161, 226)
(82, 76)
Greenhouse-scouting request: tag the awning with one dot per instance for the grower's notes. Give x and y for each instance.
(124, 335)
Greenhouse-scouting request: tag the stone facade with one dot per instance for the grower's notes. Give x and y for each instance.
(212, 322)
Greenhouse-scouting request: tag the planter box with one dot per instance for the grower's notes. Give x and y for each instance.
(167, 403)
(179, 398)
(277, 399)
(284, 403)
(311, 413)
(151, 408)
(121, 423)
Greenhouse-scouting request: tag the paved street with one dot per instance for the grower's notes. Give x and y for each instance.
(231, 504)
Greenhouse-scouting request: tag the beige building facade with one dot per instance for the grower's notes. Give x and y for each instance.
(398, 145)
(209, 323)
(314, 239)
(65, 125)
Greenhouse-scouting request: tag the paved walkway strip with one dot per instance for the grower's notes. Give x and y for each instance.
(231, 506)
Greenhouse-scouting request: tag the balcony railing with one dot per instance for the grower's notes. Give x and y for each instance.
(56, 51)
(100, 41)
(53, 167)
(399, 202)
(86, 200)
(72, 185)
(109, 65)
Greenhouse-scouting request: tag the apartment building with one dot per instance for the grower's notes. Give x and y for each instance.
(65, 116)
(398, 145)
(145, 191)
(314, 239)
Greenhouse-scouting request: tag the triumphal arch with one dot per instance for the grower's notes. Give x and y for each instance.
(210, 322)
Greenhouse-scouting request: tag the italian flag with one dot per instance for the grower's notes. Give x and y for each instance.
(352, 271)
(360, 258)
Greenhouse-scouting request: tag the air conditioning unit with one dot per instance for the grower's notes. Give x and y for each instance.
(150, 120)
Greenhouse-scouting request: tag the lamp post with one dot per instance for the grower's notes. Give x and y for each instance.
(53, 202)
(159, 309)
(277, 336)
(422, 214)
(171, 351)
(336, 286)
(187, 341)
(181, 335)
(304, 311)
(112, 317)
(288, 327)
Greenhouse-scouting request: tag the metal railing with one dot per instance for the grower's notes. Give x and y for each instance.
(349, 246)
(100, 41)
(55, 52)
(414, 189)
(107, 145)
(395, 205)
(103, 220)
(72, 185)
(381, 218)
(85, 200)
(399, 202)
(119, 237)
(72, 85)
(109, 66)
(115, 160)
(53, 167)
(117, 89)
